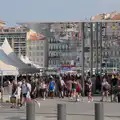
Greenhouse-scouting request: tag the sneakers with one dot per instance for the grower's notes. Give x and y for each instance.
(88, 101)
(38, 104)
(71, 98)
(78, 100)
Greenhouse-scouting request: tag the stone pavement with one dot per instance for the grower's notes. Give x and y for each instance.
(75, 110)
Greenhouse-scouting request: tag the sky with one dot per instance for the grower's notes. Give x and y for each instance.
(15, 11)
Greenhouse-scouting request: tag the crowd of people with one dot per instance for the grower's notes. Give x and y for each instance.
(61, 86)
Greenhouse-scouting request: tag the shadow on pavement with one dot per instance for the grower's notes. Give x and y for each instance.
(15, 118)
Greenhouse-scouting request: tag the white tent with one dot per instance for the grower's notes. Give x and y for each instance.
(27, 61)
(15, 61)
(6, 68)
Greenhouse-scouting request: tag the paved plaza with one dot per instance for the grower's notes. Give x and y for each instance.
(75, 110)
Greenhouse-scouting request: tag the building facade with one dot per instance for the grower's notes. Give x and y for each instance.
(63, 42)
(16, 37)
(36, 48)
(64, 45)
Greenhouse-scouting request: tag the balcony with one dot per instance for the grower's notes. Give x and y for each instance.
(54, 42)
(54, 57)
(59, 49)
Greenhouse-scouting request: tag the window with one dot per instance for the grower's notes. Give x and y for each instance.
(49, 54)
(29, 53)
(33, 53)
(37, 59)
(34, 59)
(41, 42)
(41, 53)
(41, 59)
(49, 61)
(41, 47)
(30, 48)
(37, 47)
(37, 53)
(41, 65)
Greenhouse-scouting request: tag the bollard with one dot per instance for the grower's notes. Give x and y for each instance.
(99, 111)
(30, 110)
(61, 112)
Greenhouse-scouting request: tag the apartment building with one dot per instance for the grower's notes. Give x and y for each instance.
(110, 38)
(63, 42)
(16, 37)
(63, 45)
(36, 48)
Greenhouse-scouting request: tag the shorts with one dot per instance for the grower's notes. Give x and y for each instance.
(43, 90)
(89, 90)
(52, 89)
(73, 89)
(69, 90)
(61, 88)
(25, 95)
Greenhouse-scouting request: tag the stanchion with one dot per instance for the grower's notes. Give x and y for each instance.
(30, 110)
(61, 112)
(99, 111)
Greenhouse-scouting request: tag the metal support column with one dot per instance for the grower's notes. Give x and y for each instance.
(96, 47)
(82, 32)
(101, 51)
(2, 91)
(91, 50)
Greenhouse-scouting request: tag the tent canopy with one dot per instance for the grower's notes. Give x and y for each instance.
(13, 60)
(26, 60)
(5, 66)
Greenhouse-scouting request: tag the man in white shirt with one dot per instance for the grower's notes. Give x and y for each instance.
(26, 89)
(62, 86)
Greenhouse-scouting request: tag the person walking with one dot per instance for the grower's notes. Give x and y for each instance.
(43, 89)
(74, 88)
(18, 95)
(13, 97)
(78, 91)
(61, 88)
(26, 90)
(105, 89)
(69, 88)
(52, 88)
(89, 90)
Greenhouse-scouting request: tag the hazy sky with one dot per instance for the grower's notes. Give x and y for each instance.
(13, 11)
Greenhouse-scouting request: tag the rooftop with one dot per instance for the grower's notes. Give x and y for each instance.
(116, 17)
